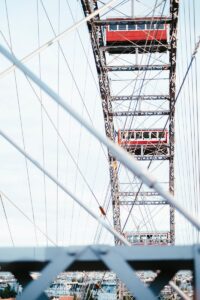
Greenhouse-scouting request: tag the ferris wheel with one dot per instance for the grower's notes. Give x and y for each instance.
(135, 55)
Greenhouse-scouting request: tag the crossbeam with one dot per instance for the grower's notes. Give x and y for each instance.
(140, 113)
(152, 157)
(139, 97)
(144, 202)
(127, 68)
(141, 258)
(132, 48)
(131, 21)
(140, 194)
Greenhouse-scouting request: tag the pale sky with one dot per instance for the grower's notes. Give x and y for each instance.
(73, 224)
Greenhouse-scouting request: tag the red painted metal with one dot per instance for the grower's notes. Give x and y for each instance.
(128, 137)
(137, 36)
(102, 211)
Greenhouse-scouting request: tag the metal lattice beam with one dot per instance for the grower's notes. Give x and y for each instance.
(96, 37)
(144, 202)
(140, 113)
(139, 97)
(131, 22)
(133, 48)
(140, 194)
(174, 10)
(124, 261)
(152, 157)
(99, 48)
(137, 68)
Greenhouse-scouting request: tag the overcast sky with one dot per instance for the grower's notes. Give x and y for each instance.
(27, 27)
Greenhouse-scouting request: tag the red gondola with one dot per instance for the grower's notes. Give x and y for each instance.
(131, 138)
(140, 32)
(143, 141)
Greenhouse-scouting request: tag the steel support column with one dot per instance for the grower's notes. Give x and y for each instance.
(174, 9)
(96, 37)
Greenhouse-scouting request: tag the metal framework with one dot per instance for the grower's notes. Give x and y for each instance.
(95, 26)
(139, 97)
(154, 157)
(8, 257)
(137, 68)
(174, 10)
(144, 202)
(123, 261)
(129, 21)
(140, 113)
(96, 36)
(133, 48)
(142, 194)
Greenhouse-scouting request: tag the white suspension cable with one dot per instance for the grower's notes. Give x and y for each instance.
(67, 191)
(59, 37)
(13, 203)
(116, 150)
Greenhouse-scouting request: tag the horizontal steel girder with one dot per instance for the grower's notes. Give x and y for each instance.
(132, 48)
(138, 68)
(140, 257)
(144, 202)
(139, 97)
(139, 113)
(132, 22)
(152, 157)
(139, 194)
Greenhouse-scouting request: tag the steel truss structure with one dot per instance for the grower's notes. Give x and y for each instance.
(96, 35)
(139, 97)
(123, 261)
(96, 31)
(144, 202)
(174, 10)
